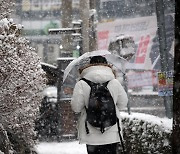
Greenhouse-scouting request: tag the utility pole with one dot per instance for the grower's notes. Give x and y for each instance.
(163, 50)
(84, 8)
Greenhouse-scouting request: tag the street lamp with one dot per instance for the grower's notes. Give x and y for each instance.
(78, 47)
(61, 47)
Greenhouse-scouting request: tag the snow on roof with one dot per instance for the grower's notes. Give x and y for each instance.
(76, 34)
(122, 36)
(59, 29)
(66, 58)
(77, 21)
(49, 65)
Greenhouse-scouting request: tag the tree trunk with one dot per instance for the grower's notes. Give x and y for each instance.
(176, 90)
(66, 13)
(84, 15)
(92, 26)
(66, 20)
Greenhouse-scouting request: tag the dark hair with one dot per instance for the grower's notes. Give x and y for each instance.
(98, 59)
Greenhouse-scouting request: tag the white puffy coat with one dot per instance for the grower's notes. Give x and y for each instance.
(80, 98)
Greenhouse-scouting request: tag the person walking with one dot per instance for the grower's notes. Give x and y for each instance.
(98, 71)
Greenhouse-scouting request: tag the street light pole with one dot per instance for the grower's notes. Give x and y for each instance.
(163, 50)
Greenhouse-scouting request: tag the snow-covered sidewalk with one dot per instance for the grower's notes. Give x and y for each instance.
(74, 147)
(61, 148)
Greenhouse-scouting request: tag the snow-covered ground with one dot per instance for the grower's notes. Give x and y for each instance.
(61, 148)
(75, 148)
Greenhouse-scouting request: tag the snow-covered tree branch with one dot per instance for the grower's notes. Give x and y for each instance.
(21, 82)
(6, 8)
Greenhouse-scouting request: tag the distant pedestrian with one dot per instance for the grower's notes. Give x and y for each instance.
(103, 140)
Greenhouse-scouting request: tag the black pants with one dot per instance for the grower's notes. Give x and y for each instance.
(102, 149)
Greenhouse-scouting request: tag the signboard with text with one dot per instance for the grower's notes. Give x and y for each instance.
(144, 32)
(140, 79)
(165, 83)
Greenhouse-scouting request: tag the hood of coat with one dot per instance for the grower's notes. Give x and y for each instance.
(98, 73)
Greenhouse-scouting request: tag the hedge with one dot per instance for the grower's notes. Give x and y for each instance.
(146, 134)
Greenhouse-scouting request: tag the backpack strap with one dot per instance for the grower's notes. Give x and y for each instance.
(121, 139)
(87, 81)
(90, 83)
(106, 83)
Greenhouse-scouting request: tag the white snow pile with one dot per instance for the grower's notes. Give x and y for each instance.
(61, 148)
(143, 133)
(146, 133)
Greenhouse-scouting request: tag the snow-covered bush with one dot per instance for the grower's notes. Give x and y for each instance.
(146, 134)
(6, 8)
(21, 83)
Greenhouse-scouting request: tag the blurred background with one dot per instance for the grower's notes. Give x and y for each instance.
(62, 30)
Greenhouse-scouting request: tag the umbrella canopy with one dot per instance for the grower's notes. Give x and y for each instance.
(72, 69)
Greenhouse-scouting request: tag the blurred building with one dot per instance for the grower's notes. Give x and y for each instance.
(112, 9)
(37, 16)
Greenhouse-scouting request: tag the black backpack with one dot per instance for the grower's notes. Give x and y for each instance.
(101, 111)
